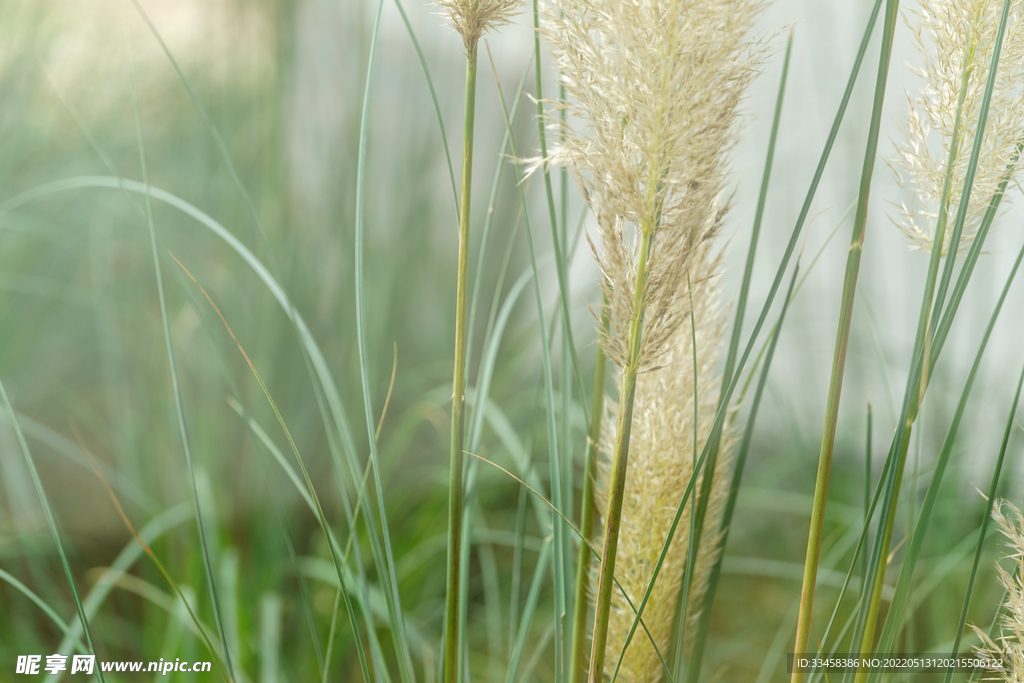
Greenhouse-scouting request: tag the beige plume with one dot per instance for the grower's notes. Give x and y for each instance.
(661, 460)
(473, 18)
(653, 88)
(1009, 646)
(957, 39)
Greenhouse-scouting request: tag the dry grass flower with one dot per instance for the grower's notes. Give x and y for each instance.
(661, 461)
(473, 18)
(653, 89)
(956, 39)
(1009, 646)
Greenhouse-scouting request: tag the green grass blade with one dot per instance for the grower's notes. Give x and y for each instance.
(222, 148)
(971, 260)
(561, 255)
(276, 504)
(985, 519)
(923, 359)
(390, 582)
(558, 564)
(828, 438)
(762, 200)
(433, 99)
(47, 610)
(53, 440)
(132, 551)
(694, 545)
(895, 613)
(693, 668)
(528, 611)
(730, 360)
(178, 401)
(485, 233)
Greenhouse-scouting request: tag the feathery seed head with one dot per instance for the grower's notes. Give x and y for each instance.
(1009, 646)
(472, 18)
(957, 39)
(660, 465)
(653, 90)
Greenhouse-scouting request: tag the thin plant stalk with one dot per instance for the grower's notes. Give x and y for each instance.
(561, 256)
(617, 485)
(695, 523)
(842, 342)
(924, 354)
(581, 603)
(555, 508)
(51, 522)
(899, 599)
(178, 401)
(451, 620)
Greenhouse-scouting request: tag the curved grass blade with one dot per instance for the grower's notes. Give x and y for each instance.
(235, 400)
(222, 148)
(199, 629)
(433, 99)
(47, 610)
(331, 541)
(553, 459)
(391, 584)
(178, 400)
(126, 558)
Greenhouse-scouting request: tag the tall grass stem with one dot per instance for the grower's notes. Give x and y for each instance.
(842, 342)
(451, 619)
(581, 601)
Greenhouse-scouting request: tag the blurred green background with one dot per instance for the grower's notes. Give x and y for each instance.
(280, 85)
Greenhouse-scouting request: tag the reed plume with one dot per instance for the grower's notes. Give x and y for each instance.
(661, 456)
(1009, 646)
(472, 18)
(956, 39)
(653, 88)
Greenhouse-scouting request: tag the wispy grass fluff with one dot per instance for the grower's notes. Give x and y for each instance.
(472, 18)
(652, 92)
(653, 88)
(1009, 646)
(956, 39)
(661, 457)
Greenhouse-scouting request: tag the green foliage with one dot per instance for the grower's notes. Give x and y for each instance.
(228, 269)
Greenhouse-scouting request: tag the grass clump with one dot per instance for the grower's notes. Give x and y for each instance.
(387, 555)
